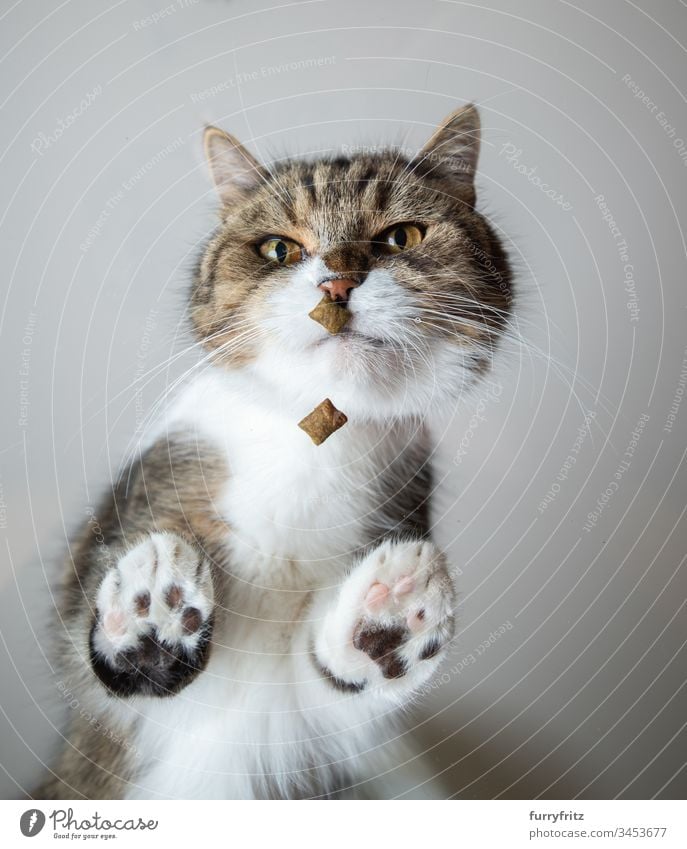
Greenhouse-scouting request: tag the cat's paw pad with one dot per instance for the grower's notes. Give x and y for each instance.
(407, 606)
(394, 617)
(153, 618)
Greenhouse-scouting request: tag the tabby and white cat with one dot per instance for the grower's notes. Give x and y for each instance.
(255, 612)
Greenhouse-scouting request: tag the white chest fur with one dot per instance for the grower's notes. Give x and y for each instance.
(297, 513)
(286, 500)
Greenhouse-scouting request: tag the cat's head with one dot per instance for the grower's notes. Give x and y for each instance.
(398, 238)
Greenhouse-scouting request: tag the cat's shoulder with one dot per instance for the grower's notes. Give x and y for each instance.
(200, 407)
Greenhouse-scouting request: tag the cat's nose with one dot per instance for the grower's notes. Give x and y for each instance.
(339, 288)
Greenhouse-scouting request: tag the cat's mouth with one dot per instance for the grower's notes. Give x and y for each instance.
(354, 336)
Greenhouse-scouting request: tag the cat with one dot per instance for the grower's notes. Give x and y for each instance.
(256, 613)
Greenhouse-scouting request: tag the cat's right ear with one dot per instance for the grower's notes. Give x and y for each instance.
(234, 171)
(455, 145)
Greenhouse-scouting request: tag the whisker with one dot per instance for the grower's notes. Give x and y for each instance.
(231, 346)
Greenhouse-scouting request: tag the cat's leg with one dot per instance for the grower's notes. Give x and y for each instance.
(153, 617)
(388, 627)
(138, 604)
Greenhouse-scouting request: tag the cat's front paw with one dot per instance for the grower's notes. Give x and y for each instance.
(394, 617)
(153, 618)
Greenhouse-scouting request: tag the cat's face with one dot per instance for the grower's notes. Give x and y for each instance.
(424, 276)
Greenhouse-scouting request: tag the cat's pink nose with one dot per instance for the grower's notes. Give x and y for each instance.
(338, 289)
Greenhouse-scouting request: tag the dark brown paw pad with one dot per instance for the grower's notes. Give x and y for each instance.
(380, 643)
(142, 604)
(153, 667)
(191, 620)
(174, 596)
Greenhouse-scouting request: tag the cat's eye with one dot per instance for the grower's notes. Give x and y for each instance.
(400, 237)
(283, 251)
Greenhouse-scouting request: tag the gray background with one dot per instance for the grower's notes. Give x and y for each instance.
(580, 691)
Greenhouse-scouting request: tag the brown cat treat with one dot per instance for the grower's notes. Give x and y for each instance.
(323, 421)
(332, 316)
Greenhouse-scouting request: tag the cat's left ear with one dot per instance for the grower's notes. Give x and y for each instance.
(455, 145)
(234, 171)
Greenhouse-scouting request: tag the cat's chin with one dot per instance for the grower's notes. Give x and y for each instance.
(367, 379)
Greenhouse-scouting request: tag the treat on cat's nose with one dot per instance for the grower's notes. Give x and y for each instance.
(322, 422)
(330, 314)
